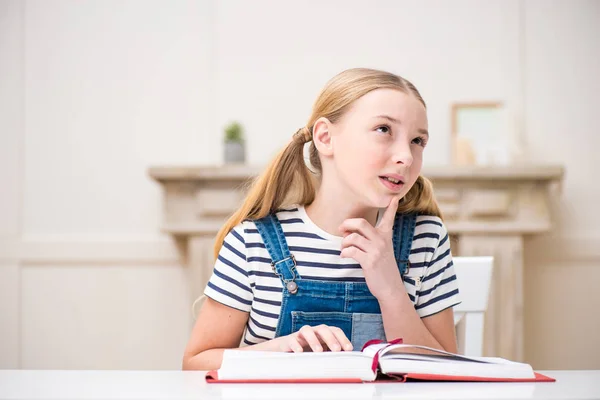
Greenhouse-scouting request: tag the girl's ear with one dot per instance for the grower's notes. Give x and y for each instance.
(322, 136)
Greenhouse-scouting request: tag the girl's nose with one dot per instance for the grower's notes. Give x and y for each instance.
(403, 154)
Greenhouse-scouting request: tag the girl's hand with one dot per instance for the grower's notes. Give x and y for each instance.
(315, 338)
(372, 247)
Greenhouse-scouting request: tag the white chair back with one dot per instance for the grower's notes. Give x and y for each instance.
(474, 275)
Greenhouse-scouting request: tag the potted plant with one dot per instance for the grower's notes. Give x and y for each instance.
(234, 143)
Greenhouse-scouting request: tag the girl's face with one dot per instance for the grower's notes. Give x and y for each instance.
(377, 146)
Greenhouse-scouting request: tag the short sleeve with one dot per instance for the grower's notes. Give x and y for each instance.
(439, 288)
(229, 283)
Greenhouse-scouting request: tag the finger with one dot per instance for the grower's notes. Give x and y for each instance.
(357, 240)
(359, 225)
(354, 253)
(326, 336)
(294, 345)
(307, 333)
(341, 338)
(387, 220)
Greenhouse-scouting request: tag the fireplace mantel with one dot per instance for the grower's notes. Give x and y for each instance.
(488, 211)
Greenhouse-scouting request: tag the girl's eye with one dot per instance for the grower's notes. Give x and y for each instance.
(420, 141)
(384, 129)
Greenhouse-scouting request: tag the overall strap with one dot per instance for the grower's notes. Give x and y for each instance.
(283, 262)
(404, 230)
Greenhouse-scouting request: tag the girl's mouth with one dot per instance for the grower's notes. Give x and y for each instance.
(391, 183)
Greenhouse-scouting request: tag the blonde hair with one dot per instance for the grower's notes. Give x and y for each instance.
(287, 179)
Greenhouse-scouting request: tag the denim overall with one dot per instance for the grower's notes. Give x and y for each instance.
(347, 305)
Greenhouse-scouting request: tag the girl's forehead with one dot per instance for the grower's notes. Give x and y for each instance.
(389, 102)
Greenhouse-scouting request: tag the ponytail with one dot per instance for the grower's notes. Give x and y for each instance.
(420, 199)
(286, 180)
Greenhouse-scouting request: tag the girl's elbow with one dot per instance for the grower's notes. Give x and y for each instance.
(187, 364)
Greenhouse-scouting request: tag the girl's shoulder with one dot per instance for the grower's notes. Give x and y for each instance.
(284, 215)
(430, 223)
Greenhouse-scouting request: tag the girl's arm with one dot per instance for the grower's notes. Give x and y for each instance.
(217, 328)
(401, 320)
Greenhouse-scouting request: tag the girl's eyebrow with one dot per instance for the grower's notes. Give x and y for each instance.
(395, 121)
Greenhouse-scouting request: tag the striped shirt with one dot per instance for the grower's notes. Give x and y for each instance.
(243, 279)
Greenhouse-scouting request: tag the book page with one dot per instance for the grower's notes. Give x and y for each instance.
(415, 359)
(427, 351)
(245, 364)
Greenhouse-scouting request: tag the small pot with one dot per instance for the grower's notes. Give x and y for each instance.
(235, 152)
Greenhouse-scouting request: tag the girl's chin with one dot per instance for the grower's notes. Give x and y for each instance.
(384, 201)
(381, 201)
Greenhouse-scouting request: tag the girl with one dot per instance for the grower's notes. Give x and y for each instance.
(349, 250)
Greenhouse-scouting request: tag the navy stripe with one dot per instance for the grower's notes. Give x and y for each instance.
(265, 327)
(443, 241)
(422, 250)
(411, 297)
(238, 236)
(269, 302)
(262, 273)
(428, 221)
(248, 342)
(442, 282)
(259, 259)
(439, 271)
(298, 249)
(291, 234)
(231, 280)
(414, 265)
(436, 299)
(255, 335)
(440, 257)
(232, 265)
(314, 251)
(426, 235)
(409, 280)
(291, 221)
(308, 264)
(228, 294)
(268, 288)
(234, 251)
(265, 314)
(287, 210)
(304, 235)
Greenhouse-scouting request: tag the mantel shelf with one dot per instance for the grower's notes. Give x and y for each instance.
(523, 172)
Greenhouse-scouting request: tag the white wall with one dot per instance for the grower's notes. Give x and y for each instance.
(11, 139)
(562, 99)
(93, 93)
(272, 64)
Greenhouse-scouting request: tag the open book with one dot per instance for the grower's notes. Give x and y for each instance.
(376, 361)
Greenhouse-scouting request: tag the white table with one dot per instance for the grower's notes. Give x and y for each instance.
(41, 384)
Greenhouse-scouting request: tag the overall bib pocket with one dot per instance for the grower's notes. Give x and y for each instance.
(359, 328)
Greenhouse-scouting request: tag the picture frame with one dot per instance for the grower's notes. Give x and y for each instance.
(479, 134)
